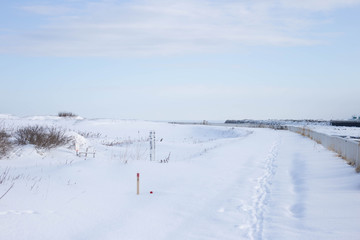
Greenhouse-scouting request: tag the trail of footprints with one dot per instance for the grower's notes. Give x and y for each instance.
(262, 193)
(252, 213)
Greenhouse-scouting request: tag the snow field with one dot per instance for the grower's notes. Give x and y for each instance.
(219, 183)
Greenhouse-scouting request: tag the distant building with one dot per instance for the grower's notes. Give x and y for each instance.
(355, 122)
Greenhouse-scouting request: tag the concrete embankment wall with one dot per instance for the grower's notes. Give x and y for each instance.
(347, 149)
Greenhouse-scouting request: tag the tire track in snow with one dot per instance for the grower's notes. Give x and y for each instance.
(298, 182)
(262, 193)
(215, 144)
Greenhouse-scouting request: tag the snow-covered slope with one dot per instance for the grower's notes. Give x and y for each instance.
(219, 183)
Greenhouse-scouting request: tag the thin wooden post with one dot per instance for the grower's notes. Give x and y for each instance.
(138, 184)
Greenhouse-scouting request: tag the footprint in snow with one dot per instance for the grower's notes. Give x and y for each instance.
(221, 210)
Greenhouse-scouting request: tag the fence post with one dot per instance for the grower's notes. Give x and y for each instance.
(154, 145)
(150, 138)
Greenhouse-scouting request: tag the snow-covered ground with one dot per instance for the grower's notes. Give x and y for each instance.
(219, 183)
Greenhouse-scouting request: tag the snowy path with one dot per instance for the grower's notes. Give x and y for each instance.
(266, 185)
(315, 191)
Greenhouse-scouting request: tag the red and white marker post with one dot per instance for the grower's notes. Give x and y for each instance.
(138, 184)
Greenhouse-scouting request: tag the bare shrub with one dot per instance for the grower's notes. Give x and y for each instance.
(41, 137)
(166, 160)
(4, 175)
(7, 191)
(66, 114)
(5, 143)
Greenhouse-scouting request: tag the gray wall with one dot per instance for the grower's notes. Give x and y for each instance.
(347, 149)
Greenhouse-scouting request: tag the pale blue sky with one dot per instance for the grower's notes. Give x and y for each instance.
(170, 60)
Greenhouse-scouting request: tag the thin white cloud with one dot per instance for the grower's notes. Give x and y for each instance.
(47, 10)
(116, 28)
(319, 5)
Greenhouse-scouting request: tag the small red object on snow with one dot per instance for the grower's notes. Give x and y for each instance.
(151, 192)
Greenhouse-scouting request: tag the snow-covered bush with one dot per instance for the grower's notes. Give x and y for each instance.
(41, 137)
(66, 114)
